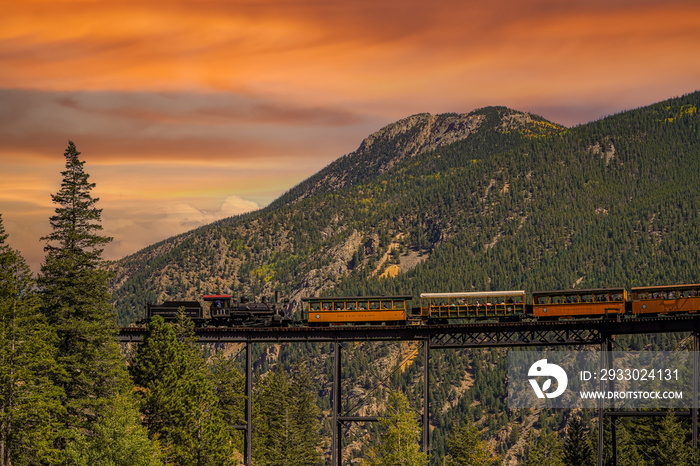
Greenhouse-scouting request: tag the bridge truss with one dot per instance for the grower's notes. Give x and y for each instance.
(435, 337)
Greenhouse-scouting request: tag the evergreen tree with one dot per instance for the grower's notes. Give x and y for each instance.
(306, 437)
(673, 447)
(547, 449)
(286, 421)
(178, 399)
(466, 448)
(229, 388)
(399, 441)
(629, 448)
(118, 439)
(75, 297)
(272, 420)
(29, 401)
(577, 446)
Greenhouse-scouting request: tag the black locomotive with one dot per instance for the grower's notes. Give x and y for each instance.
(225, 311)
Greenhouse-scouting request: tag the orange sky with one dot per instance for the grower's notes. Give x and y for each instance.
(191, 111)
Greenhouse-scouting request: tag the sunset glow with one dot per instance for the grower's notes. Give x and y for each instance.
(162, 97)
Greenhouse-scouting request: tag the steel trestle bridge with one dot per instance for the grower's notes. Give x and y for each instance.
(599, 332)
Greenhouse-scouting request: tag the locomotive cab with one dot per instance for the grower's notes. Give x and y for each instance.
(220, 305)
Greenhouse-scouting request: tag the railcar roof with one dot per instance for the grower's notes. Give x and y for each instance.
(582, 291)
(665, 287)
(474, 294)
(177, 304)
(360, 298)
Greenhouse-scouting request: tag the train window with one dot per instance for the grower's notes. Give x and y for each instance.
(327, 306)
(671, 295)
(315, 306)
(586, 298)
(616, 297)
(600, 298)
(386, 305)
(571, 299)
(362, 306)
(557, 300)
(399, 304)
(339, 306)
(373, 305)
(351, 306)
(685, 293)
(542, 300)
(643, 295)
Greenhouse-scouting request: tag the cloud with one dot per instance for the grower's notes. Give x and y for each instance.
(188, 217)
(160, 220)
(343, 52)
(203, 101)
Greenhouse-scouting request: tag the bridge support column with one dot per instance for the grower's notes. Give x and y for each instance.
(605, 345)
(426, 395)
(613, 420)
(336, 431)
(694, 412)
(248, 456)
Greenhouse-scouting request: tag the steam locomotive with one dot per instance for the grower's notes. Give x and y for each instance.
(439, 308)
(224, 311)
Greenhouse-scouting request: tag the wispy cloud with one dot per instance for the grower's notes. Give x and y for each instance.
(205, 101)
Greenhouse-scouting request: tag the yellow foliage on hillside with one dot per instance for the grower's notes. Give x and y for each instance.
(392, 271)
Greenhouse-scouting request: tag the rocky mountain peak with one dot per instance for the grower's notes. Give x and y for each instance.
(405, 138)
(419, 133)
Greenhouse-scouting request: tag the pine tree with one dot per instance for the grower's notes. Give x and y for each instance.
(178, 399)
(229, 388)
(629, 448)
(286, 421)
(306, 434)
(577, 446)
(466, 448)
(118, 439)
(158, 365)
(75, 297)
(547, 449)
(399, 441)
(29, 401)
(272, 420)
(673, 447)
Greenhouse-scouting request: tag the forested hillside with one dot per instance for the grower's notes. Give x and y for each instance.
(495, 199)
(516, 203)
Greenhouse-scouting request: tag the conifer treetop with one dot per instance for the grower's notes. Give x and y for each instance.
(77, 219)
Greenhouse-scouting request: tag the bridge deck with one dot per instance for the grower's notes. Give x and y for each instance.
(475, 334)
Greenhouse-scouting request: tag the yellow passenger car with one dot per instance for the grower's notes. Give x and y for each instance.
(666, 299)
(355, 310)
(601, 302)
(472, 305)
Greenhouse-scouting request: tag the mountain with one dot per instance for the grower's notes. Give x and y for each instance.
(406, 138)
(493, 199)
(306, 239)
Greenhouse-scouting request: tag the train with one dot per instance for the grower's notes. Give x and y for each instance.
(438, 308)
